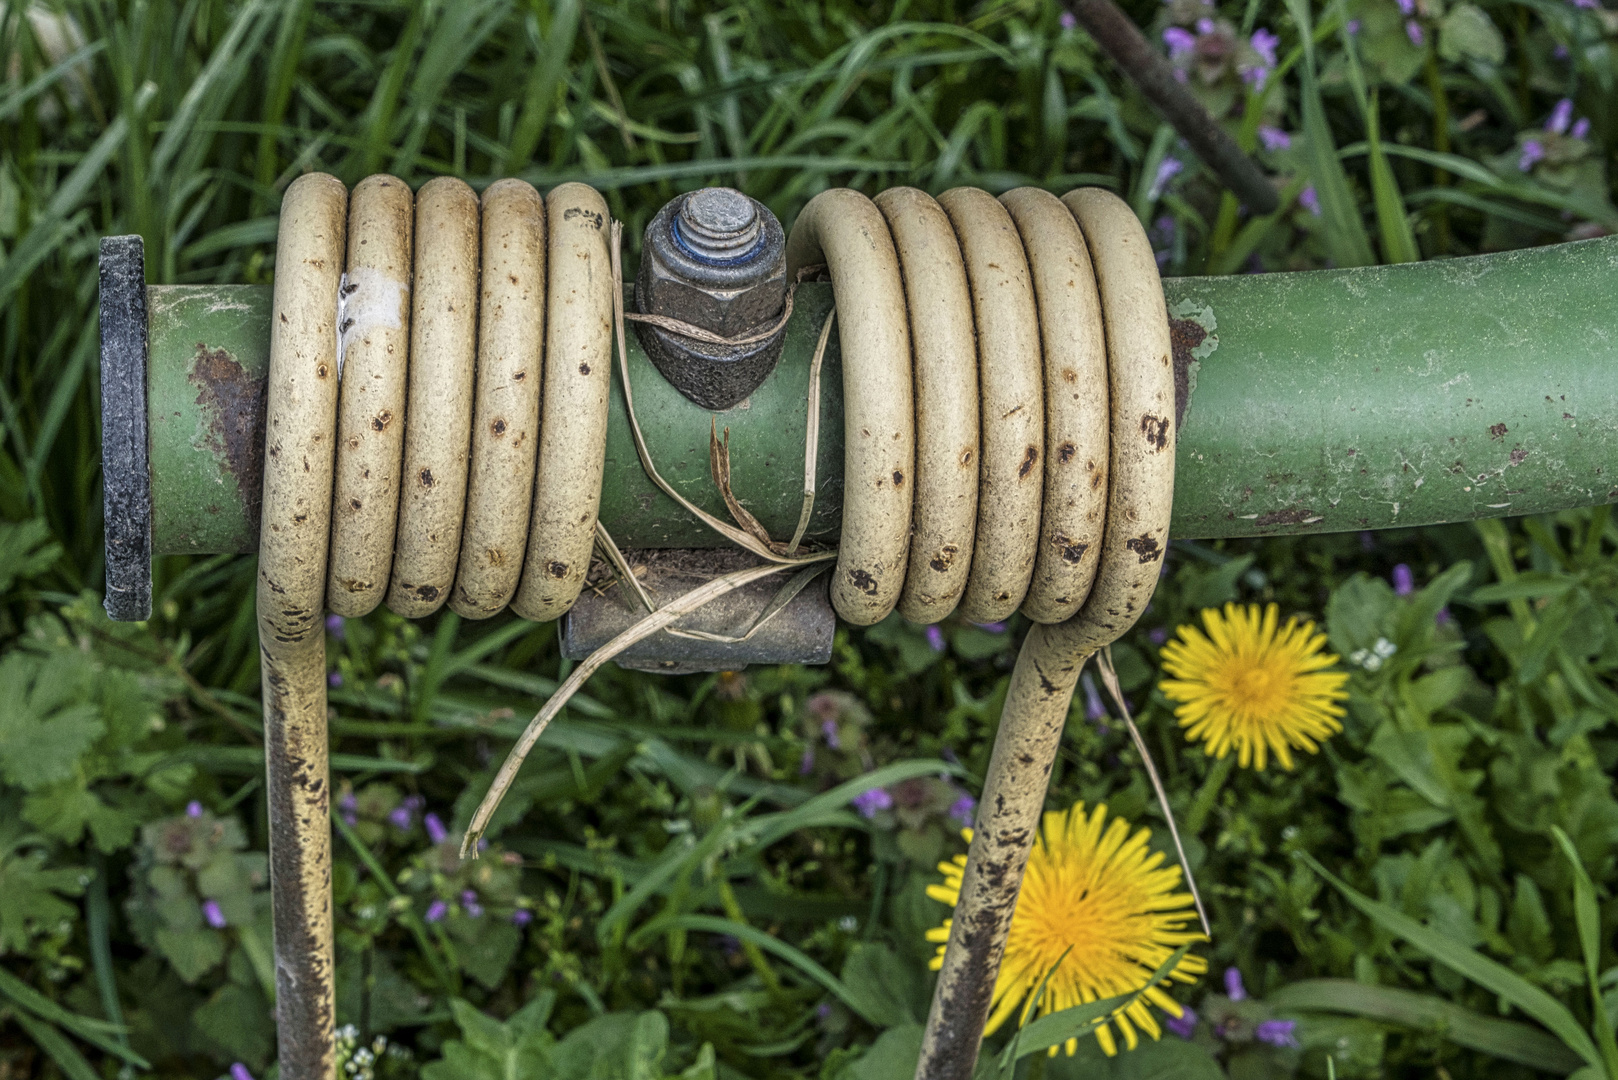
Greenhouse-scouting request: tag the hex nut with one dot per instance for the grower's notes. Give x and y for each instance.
(716, 259)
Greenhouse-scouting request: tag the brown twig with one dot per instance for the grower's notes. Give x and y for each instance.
(1130, 50)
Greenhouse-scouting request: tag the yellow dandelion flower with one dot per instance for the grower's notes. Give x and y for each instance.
(1247, 685)
(1098, 914)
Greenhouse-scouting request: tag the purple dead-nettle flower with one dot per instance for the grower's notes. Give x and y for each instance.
(436, 833)
(807, 764)
(1179, 40)
(1353, 27)
(193, 809)
(334, 679)
(1443, 618)
(1167, 170)
(1206, 25)
(1309, 199)
(1581, 128)
(522, 917)
(1587, 5)
(1559, 52)
(1234, 988)
(335, 626)
(239, 1071)
(1404, 582)
(349, 807)
(1277, 1033)
(869, 802)
(1533, 152)
(1264, 43)
(1184, 1025)
(437, 910)
(1094, 710)
(1415, 33)
(823, 1010)
(1561, 116)
(401, 817)
(469, 903)
(935, 638)
(962, 809)
(211, 912)
(828, 728)
(1068, 20)
(1274, 138)
(1157, 635)
(1407, 8)
(992, 627)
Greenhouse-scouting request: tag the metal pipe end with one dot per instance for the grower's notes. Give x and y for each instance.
(126, 478)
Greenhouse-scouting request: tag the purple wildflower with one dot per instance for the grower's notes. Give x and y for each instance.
(808, 762)
(1264, 43)
(1353, 27)
(1533, 152)
(1094, 710)
(1277, 1033)
(1180, 41)
(935, 637)
(961, 810)
(1157, 635)
(1415, 33)
(1561, 116)
(1309, 199)
(1068, 20)
(992, 627)
(1256, 76)
(469, 903)
(1559, 52)
(239, 1071)
(437, 910)
(1184, 1025)
(869, 802)
(1404, 582)
(335, 678)
(1167, 170)
(401, 817)
(349, 807)
(1274, 138)
(1367, 541)
(1407, 8)
(823, 1010)
(193, 809)
(1205, 25)
(521, 917)
(1443, 618)
(1581, 129)
(436, 833)
(1233, 985)
(1587, 5)
(211, 912)
(335, 627)
(828, 728)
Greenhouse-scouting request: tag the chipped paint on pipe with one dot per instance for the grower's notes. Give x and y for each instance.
(1324, 401)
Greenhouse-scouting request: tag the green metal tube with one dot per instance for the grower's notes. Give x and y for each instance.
(1316, 402)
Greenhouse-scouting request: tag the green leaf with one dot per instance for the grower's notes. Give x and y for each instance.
(1480, 969)
(1506, 1039)
(1467, 32)
(192, 953)
(97, 1033)
(26, 551)
(876, 976)
(1346, 241)
(894, 1054)
(1587, 916)
(519, 1049)
(45, 726)
(64, 1053)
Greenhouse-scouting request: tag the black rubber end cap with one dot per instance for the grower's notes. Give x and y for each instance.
(126, 478)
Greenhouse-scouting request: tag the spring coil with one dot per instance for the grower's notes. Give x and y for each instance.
(1009, 444)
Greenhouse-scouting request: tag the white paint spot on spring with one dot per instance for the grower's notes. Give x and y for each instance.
(367, 300)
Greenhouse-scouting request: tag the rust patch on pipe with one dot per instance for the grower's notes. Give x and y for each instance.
(232, 404)
(1184, 336)
(1291, 516)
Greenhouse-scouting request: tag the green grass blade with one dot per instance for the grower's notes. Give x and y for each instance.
(1587, 915)
(1393, 220)
(539, 98)
(55, 1044)
(1346, 241)
(1488, 974)
(1508, 1040)
(98, 1033)
(713, 924)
